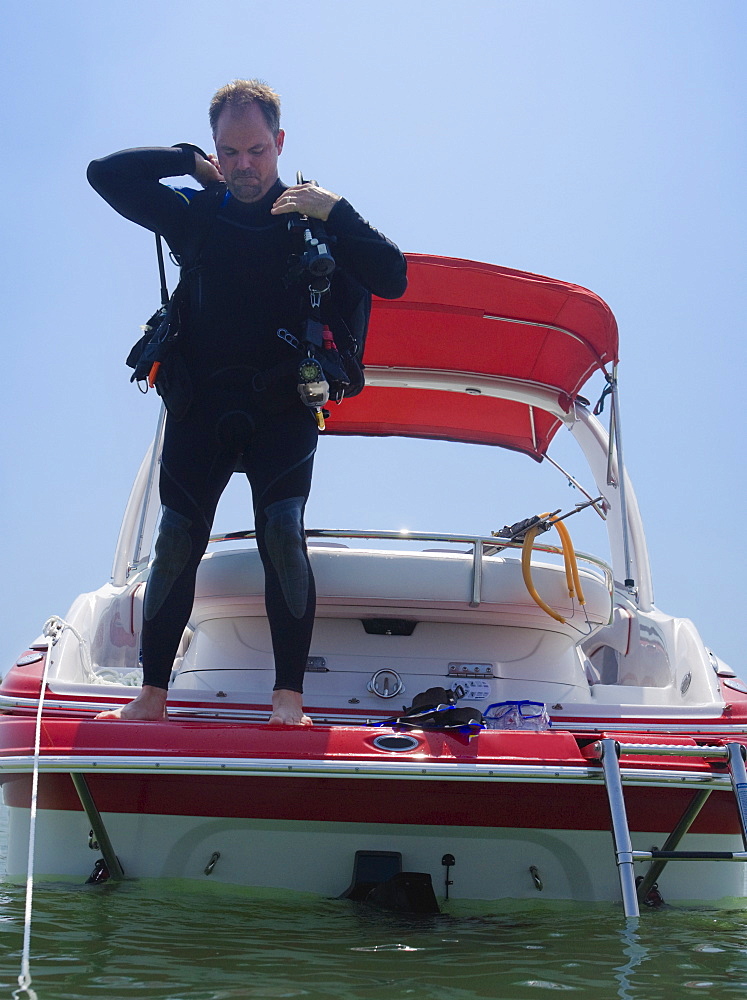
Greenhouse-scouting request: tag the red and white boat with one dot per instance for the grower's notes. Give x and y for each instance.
(647, 730)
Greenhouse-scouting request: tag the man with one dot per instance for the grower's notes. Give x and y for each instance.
(234, 238)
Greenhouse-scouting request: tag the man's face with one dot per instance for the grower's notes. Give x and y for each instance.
(247, 152)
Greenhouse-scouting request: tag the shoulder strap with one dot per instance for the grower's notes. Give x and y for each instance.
(205, 204)
(209, 207)
(162, 270)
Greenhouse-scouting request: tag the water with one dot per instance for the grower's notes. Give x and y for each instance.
(172, 940)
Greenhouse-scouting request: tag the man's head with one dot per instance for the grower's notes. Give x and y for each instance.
(245, 119)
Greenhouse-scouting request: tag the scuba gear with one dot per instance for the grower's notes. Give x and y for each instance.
(148, 353)
(315, 257)
(437, 708)
(157, 358)
(312, 261)
(313, 388)
(521, 714)
(153, 358)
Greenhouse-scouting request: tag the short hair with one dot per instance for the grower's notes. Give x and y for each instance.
(242, 94)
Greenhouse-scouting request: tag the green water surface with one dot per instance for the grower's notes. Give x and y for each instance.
(177, 940)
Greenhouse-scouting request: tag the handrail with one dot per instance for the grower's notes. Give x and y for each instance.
(479, 544)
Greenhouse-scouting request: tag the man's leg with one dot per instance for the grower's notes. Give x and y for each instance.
(194, 473)
(279, 466)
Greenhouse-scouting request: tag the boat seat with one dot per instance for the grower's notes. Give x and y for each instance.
(348, 579)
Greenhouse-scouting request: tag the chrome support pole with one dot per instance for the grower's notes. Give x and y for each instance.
(629, 581)
(611, 481)
(686, 821)
(738, 775)
(620, 828)
(476, 573)
(97, 825)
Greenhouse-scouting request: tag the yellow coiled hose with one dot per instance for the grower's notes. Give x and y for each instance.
(573, 581)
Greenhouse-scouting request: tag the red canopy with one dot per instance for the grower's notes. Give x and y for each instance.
(463, 319)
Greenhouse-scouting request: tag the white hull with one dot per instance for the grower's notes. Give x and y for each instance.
(316, 857)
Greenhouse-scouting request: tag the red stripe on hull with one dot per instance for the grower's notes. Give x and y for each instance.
(221, 741)
(368, 800)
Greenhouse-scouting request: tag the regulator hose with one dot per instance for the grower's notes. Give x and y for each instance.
(573, 580)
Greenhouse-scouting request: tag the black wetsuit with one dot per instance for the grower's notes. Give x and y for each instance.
(237, 301)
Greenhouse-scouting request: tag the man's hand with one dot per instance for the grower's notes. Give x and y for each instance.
(207, 171)
(306, 199)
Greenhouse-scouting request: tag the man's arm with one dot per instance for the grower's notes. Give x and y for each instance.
(130, 181)
(372, 259)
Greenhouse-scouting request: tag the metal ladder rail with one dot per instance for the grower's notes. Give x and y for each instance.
(609, 752)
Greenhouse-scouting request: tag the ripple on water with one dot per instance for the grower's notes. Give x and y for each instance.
(172, 940)
(545, 984)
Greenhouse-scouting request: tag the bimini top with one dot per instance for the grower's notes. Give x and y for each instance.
(513, 350)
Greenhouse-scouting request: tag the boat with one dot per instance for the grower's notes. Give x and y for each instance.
(495, 717)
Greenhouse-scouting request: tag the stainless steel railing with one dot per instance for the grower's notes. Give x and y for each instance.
(482, 547)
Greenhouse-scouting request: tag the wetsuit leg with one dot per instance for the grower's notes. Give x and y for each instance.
(200, 453)
(279, 465)
(195, 469)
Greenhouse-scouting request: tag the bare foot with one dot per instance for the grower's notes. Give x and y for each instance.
(287, 709)
(150, 704)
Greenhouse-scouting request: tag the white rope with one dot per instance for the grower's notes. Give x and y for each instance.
(53, 628)
(111, 675)
(85, 657)
(104, 675)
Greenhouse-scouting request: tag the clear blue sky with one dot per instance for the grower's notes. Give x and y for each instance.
(597, 141)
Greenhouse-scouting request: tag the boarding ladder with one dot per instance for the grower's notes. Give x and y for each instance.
(609, 751)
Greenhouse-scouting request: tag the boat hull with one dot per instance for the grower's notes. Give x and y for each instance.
(318, 857)
(302, 833)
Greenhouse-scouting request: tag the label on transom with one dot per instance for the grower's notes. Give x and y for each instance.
(472, 690)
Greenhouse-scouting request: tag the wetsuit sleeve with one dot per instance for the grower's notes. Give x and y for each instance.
(130, 181)
(373, 259)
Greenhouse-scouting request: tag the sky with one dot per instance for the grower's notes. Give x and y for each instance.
(596, 141)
